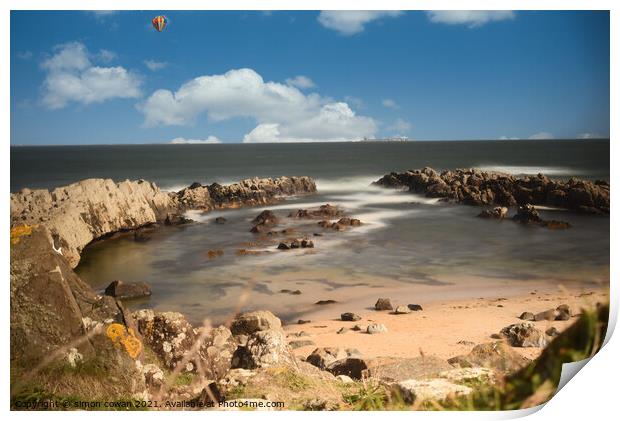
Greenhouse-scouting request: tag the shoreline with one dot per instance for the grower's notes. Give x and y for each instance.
(442, 324)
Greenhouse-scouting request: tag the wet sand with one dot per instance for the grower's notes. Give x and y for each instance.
(442, 324)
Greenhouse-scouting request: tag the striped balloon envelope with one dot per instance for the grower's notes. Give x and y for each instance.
(160, 22)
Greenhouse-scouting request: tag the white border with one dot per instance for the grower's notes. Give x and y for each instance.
(591, 394)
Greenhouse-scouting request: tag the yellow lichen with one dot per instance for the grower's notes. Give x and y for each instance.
(119, 335)
(19, 231)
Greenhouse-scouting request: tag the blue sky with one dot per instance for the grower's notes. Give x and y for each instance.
(93, 78)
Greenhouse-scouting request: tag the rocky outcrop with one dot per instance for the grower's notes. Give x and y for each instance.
(483, 188)
(250, 192)
(49, 302)
(91, 209)
(84, 211)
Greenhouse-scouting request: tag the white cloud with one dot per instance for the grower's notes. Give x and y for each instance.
(282, 113)
(472, 18)
(301, 82)
(183, 141)
(541, 136)
(106, 55)
(350, 22)
(400, 127)
(390, 103)
(509, 138)
(154, 65)
(71, 77)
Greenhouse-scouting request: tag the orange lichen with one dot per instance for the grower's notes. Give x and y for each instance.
(119, 335)
(19, 231)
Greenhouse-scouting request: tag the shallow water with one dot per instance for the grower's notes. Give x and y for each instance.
(406, 242)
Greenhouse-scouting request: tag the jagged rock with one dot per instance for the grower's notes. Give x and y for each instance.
(402, 310)
(220, 220)
(429, 390)
(283, 246)
(414, 307)
(323, 211)
(353, 367)
(153, 376)
(375, 328)
(176, 219)
(128, 290)
(84, 211)
(264, 348)
(527, 214)
(485, 188)
(524, 335)
(383, 304)
(499, 212)
(217, 352)
(494, 355)
(349, 317)
(168, 334)
(48, 301)
(527, 316)
(248, 323)
(266, 343)
(322, 357)
(266, 217)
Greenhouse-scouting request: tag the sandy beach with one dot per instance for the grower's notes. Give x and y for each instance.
(443, 328)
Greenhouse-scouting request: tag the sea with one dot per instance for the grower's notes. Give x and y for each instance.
(409, 246)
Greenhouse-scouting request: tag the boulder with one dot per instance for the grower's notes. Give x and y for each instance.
(402, 310)
(563, 312)
(323, 357)
(414, 307)
(128, 290)
(396, 369)
(264, 348)
(527, 214)
(217, 352)
(527, 316)
(375, 328)
(383, 304)
(220, 220)
(499, 212)
(266, 217)
(494, 355)
(429, 390)
(549, 315)
(168, 334)
(352, 367)
(349, 317)
(248, 323)
(524, 335)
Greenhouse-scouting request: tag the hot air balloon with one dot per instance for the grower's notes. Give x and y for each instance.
(159, 23)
